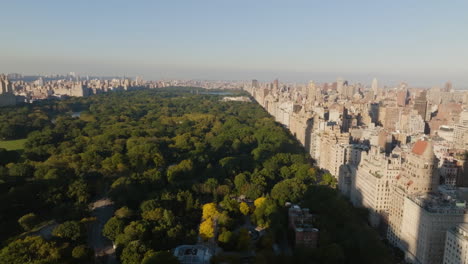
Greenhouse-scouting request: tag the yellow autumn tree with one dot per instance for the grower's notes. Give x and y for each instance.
(259, 201)
(209, 210)
(206, 229)
(244, 208)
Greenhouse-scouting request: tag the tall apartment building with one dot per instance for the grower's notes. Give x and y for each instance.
(418, 175)
(460, 136)
(426, 219)
(456, 245)
(6, 92)
(332, 154)
(420, 105)
(418, 216)
(373, 181)
(392, 118)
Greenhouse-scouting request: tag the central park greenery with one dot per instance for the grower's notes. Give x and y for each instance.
(160, 155)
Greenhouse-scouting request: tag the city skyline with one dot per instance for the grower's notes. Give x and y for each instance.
(421, 43)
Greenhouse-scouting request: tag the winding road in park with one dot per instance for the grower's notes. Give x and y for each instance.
(102, 209)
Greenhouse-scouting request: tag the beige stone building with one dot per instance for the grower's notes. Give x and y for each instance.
(418, 215)
(426, 219)
(372, 186)
(456, 245)
(332, 155)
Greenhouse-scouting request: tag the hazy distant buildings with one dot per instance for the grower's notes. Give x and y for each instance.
(402, 97)
(6, 92)
(375, 86)
(255, 84)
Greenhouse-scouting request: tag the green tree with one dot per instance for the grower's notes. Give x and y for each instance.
(227, 239)
(290, 190)
(21, 170)
(78, 191)
(328, 179)
(113, 227)
(82, 253)
(180, 172)
(243, 240)
(30, 250)
(134, 252)
(72, 230)
(240, 181)
(244, 208)
(124, 212)
(230, 205)
(28, 221)
(153, 215)
(160, 257)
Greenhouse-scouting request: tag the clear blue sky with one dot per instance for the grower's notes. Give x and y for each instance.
(424, 42)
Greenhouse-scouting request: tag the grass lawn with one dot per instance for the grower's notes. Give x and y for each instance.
(17, 144)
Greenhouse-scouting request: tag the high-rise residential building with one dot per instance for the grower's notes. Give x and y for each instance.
(375, 86)
(374, 112)
(374, 177)
(460, 136)
(392, 117)
(456, 245)
(332, 155)
(448, 87)
(276, 85)
(464, 118)
(418, 216)
(418, 175)
(255, 84)
(420, 105)
(339, 85)
(402, 97)
(6, 92)
(462, 169)
(425, 221)
(311, 92)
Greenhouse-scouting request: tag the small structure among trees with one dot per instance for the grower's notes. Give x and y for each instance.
(301, 222)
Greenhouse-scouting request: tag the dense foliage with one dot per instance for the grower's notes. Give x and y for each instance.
(160, 155)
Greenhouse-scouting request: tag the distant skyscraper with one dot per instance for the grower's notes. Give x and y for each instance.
(375, 86)
(339, 86)
(6, 92)
(402, 97)
(276, 85)
(448, 87)
(312, 91)
(254, 84)
(420, 105)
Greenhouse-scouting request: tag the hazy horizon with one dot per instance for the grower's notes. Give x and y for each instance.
(422, 43)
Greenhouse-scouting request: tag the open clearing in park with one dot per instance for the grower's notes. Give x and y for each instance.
(17, 144)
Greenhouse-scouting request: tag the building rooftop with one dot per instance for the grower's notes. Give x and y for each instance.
(460, 230)
(301, 219)
(440, 203)
(188, 254)
(419, 147)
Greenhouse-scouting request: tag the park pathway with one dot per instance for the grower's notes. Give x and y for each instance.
(102, 209)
